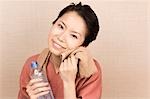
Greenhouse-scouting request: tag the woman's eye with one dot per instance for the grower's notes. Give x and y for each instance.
(60, 26)
(74, 36)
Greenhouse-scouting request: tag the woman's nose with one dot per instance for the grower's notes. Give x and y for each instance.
(61, 37)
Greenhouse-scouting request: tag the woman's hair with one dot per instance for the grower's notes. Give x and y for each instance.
(89, 17)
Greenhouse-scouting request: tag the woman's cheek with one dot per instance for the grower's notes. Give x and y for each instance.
(72, 44)
(54, 31)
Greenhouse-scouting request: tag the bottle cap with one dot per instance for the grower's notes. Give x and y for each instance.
(34, 65)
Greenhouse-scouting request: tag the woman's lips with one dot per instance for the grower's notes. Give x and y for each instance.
(58, 46)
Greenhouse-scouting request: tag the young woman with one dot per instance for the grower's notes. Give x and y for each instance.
(71, 71)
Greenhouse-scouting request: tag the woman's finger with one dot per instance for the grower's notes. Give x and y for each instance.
(74, 60)
(41, 94)
(30, 85)
(32, 81)
(61, 66)
(65, 65)
(38, 85)
(79, 49)
(69, 62)
(41, 89)
(68, 52)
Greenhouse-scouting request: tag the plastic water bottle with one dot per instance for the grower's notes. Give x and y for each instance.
(38, 74)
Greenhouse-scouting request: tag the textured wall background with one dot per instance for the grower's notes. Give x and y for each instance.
(122, 46)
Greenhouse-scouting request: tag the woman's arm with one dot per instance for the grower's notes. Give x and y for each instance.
(69, 90)
(91, 86)
(68, 71)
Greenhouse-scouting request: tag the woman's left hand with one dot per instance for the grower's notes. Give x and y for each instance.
(68, 69)
(84, 56)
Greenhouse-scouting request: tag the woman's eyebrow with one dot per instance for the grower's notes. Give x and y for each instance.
(63, 23)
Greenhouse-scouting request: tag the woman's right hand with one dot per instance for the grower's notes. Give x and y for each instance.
(36, 88)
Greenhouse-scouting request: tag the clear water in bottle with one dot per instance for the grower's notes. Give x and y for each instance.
(39, 74)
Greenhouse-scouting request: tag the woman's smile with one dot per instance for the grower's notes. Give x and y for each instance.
(57, 46)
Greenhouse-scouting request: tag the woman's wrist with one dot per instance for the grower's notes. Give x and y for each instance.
(69, 90)
(69, 84)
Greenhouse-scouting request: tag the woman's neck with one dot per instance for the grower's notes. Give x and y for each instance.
(56, 60)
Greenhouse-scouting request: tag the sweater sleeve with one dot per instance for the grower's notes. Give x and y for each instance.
(25, 78)
(91, 88)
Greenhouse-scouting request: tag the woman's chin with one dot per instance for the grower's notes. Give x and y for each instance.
(55, 52)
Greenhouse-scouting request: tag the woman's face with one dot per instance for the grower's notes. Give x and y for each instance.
(67, 33)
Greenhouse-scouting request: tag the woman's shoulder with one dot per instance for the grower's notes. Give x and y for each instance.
(25, 72)
(33, 57)
(30, 59)
(98, 65)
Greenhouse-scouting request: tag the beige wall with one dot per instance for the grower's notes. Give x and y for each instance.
(121, 47)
